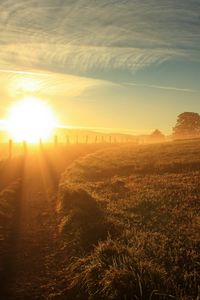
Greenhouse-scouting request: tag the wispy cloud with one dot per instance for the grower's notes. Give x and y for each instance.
(79, 36)
(7, 71)
(47, 84)
(160, 87)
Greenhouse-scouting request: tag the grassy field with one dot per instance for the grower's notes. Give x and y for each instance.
(129, 220)
(101, 222)
(28, 220)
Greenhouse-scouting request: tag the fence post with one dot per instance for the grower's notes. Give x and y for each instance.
(77, 139)
(25, 147)
(67, 139)
(40, 143)
(86, 140)
(10, 149)
(55, 140)
(95, 139)
(110, 139)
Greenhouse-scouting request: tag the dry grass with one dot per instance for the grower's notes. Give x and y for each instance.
(150, 194)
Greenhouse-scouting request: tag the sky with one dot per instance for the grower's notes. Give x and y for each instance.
(129, 65)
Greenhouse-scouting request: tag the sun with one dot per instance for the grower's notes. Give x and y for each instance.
(30, 119)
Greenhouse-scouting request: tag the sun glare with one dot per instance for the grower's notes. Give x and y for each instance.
(29, 120)
(28, 85)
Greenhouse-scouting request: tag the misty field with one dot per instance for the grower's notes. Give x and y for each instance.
(129, 218)
(101, 222)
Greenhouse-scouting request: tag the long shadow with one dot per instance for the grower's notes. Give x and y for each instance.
(8, 269)
(49, 168)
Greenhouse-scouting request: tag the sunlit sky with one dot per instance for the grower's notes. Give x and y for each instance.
(128, 65)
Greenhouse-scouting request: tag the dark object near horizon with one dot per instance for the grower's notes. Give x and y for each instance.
(157, 136)
(187, 126)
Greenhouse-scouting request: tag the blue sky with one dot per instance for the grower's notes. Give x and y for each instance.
(124, 65)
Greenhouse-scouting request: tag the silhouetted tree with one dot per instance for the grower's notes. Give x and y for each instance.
(187, 125)
(157, 136)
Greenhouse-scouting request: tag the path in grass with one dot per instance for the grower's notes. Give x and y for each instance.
(33, 239)
(32, 259)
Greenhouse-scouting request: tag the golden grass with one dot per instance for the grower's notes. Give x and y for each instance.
(150, 195)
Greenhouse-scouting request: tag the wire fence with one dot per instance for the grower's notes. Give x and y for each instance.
(11, 147)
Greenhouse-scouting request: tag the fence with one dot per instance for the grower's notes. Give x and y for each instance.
(68, 140)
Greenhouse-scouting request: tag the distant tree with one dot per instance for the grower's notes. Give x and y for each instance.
(187, 125)
(157, 136)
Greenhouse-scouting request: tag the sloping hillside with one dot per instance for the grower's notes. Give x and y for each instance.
(140, 209)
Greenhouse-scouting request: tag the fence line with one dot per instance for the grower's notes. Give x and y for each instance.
(69, 140)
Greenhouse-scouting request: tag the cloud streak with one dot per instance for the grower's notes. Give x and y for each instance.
(160, 87)
(7, 71)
